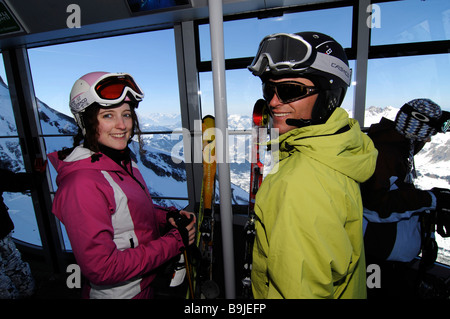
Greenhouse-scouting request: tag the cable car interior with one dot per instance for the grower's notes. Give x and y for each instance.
(190, 58)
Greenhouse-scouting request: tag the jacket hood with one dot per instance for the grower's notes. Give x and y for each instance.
(384, 132)
(339, 144)
(81, 158)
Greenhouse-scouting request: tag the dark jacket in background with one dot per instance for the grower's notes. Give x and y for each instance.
(11, 182)
(392, 207)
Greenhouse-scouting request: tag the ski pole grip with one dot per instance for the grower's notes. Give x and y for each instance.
(182, 221)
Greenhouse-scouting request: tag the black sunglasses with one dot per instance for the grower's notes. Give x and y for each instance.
(288, 91)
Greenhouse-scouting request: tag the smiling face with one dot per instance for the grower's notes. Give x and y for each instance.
(300, 109)
(115, 126)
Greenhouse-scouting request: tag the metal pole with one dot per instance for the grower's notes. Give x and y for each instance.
(221, 117)
(362, 54)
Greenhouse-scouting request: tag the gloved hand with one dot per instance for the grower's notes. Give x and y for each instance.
(182, 222)
(172, 212)
(442, 211)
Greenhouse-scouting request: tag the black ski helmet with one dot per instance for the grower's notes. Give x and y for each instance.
(312, 55)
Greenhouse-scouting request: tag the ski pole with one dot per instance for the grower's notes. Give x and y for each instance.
(183, 221)
(188, 272)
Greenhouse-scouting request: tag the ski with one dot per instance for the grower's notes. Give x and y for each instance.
(259, 123)
(204, 285)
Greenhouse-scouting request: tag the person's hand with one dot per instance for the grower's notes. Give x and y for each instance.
(185, 223)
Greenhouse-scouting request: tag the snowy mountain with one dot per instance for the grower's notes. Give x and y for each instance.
(159, 121)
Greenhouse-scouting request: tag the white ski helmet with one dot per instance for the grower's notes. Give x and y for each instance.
(107, 89)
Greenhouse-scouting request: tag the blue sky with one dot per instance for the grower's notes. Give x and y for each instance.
(150, 58)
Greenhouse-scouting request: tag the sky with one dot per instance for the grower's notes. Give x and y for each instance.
(150, 58)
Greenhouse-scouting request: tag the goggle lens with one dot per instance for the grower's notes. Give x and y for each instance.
(112, 88)
(287, 91)
(283, 52)
(284, 48)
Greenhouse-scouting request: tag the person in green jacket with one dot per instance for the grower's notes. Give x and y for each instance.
(309, 236)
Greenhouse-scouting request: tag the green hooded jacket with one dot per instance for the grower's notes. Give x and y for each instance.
(309, 236)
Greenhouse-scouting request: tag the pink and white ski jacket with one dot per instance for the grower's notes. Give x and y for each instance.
(112, 224)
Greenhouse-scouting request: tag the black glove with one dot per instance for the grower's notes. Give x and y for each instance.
(172, 213)
(182, 221)
(442, 211)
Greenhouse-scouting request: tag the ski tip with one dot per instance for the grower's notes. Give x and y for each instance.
(208, 117)
(208, 121)
(261, 113)
(260, 103)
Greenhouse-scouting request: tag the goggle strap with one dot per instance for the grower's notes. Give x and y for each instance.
(330, 64)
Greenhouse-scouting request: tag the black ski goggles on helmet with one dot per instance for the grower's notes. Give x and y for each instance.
(282, 53)
(287, 91)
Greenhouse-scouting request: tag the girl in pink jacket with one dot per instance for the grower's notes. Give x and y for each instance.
(102, 199)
